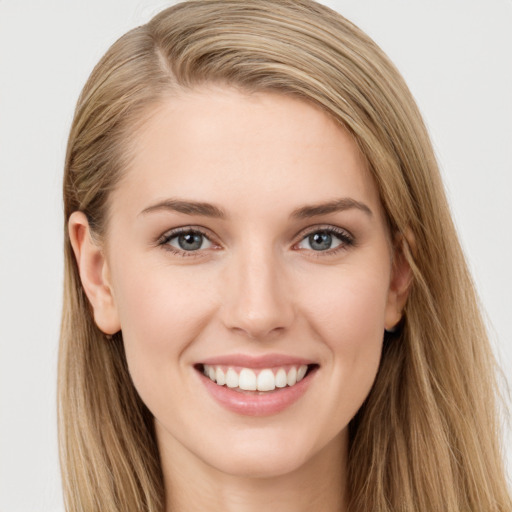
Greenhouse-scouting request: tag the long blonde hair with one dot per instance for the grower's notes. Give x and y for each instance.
(427, 436)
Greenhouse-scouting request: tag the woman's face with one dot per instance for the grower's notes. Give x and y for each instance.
(247, 240)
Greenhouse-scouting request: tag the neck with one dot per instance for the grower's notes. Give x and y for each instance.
(319, 484)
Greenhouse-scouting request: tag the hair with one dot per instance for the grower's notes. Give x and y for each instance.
(427, 438)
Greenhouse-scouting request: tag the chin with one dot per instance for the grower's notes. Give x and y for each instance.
(269, 456)
(260, 465)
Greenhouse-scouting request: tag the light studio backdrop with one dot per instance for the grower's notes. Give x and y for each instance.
(456, 56)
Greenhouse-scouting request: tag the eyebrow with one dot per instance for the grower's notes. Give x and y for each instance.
(186, 207)
(337, 205)
(210, 210)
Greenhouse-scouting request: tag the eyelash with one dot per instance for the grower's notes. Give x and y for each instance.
(164, 240)
(347, 240)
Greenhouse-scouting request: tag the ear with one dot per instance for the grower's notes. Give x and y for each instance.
(401, 279)
(94, 273)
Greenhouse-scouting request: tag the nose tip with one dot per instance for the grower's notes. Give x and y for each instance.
(258, 304)
(257, 326)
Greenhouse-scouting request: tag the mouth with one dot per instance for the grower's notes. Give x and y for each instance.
(256, 385)
(256, 381)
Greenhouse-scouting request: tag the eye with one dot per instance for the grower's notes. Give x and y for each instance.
(327, 239)
(188, 240)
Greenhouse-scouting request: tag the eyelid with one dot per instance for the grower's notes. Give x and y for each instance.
(346, 237)
(170, 233)
(162, 240)
(343, 234)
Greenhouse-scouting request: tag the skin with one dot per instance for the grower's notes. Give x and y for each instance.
(256, 286)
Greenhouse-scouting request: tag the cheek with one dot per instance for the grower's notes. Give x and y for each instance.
(348, 318)
(162, 311)
(348, 305)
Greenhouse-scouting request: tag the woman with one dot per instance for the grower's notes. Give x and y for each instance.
(266, 303)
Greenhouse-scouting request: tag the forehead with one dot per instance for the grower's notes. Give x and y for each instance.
(220, 145)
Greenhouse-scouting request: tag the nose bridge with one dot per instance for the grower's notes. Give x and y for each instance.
(258, 301)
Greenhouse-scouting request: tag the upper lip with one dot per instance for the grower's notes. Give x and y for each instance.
(248, 361)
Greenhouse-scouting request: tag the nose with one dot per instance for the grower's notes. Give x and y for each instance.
(257, 296)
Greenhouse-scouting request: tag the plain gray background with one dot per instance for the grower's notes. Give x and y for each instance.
(456, 56)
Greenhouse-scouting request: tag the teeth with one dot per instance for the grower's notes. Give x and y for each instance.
(231, 378)
(266, 381)
(301, 372)
(248, 380)
(292, 376)
(220, 377)
(281, 378)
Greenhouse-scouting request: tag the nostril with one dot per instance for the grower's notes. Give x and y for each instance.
(258, 331)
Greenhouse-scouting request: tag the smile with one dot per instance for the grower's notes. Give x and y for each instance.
(260, 386)
(263, 380)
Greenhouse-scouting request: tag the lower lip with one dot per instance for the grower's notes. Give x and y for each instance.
(253, 404)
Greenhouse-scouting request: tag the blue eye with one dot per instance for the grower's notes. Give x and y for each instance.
(325, 240)
(188, 241)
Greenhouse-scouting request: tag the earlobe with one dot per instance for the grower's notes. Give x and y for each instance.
(400, 284)
(94, 273)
